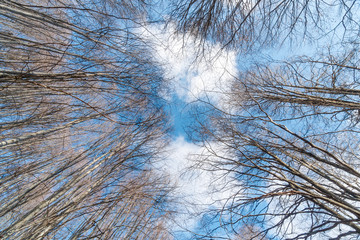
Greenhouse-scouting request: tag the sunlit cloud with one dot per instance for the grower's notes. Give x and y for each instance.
(192, 74)
(198, 188)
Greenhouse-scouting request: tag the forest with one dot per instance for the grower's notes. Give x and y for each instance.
(170, 119)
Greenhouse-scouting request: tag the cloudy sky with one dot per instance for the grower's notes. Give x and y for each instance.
(191, 76)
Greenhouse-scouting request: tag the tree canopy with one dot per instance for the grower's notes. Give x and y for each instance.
(84, 118)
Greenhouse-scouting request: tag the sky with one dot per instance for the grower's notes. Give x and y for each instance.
(193, 76)
(190, 78)
(197, 71)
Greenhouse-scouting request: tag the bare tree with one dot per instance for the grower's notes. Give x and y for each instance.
(81, 122)
(246, 23)
(288, 136)
(291, 144)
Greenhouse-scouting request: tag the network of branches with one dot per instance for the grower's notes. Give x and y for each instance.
(82, 120)
(290, 137)
(80, 123)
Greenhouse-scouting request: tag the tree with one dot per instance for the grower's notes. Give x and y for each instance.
(81, 123)
(292, 144)
(250, 24)
(288, 135)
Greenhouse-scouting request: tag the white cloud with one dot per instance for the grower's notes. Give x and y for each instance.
(197, 189)
(193, 73)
